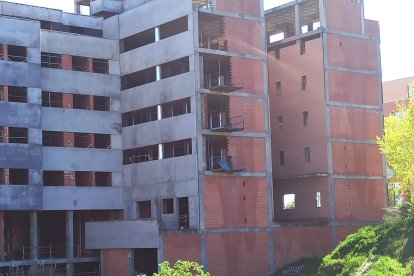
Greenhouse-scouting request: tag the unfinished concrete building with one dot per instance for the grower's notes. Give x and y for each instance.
(141, 133)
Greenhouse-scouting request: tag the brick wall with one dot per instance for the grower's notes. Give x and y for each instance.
(182, 247)
(247, 153)
(115, 262)
(250, 7)
(251, 110)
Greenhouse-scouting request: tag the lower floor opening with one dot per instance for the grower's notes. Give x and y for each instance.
(145, 261)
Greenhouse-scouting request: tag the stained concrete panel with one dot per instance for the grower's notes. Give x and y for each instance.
(122, 234)
(32, 12)
(173, 170)
(84, 21)
(20, 156)
(151, 15)
(20, 115)
(113, 6)
(185, 188)
(76, 159)
(167, 90)
(76, 120)
(28, 32)
(79, 45)
(56, 80)
(162, 131)
(20, 74)
(168, 49)
(82, 198)
(20, 197)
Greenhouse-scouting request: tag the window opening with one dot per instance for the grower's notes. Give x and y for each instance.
(289, 202)
(168, 206)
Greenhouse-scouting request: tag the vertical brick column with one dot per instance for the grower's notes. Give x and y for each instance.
(67, 100)
(91, 105)
(68, 178)
(5, 135)
(90, 65)
(4, 51)
(67, 62)
(5, 93)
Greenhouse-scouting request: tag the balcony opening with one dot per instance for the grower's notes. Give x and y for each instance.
(175, 67)
(139, 155)
(77, 30)
(176, 108)
(18, 135)
(18, 176)
(137, 40)
(17, 94)
(102, 141)
(177, 148)
(140, 116)
(90, 269)
(3, 131)
(217, 158)
(217, 73)
(144, 209)
(101, 103)
(52, 139)
(219, 116)
(103, 179)
(17, 53)
(53, 178)
(100, 66)
(84, 140)
(52, 234)
(80, 63)
(183, 213)
(145, 261)
(52, 99)
(211, 32)
(16, 236)
(84, 179)
(81, 101)
(174, 27)
(138, 78)
(50, 60)
(45, 25)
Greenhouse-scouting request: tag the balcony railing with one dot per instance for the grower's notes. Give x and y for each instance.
(222, 164)
(226, 124)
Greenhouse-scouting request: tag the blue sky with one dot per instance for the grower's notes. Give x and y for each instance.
(395, 19)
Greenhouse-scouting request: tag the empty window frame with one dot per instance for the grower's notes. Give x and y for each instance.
(51, 60)
(175, 67)
(138, 78)
(18, 135)
(137, 40)
(174, 27)
(52, 99)
(144, 209)
(16, 53)
(280, 120)
(102, 141)
(277, 54)
(305, 116)
(318, 200)
(183, 213)
(168, 206)
(307, 155)
(302, 47)
(53, 178)
(176, 108)
(289, 201)
(278, 88)
(81, 101)
(100, 66)
(177, 148)
(80, 63)
(17, 176)
(83, 140)
(139, 155)
(281, 158)
(140, 116)
(17, 94)
(304, 82)
(52, 139)
(103, 179)
(101, 103)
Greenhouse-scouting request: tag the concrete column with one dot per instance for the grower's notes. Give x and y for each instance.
(158, 73)
(69, 243)
(34, 236)
(298, 23)
(159, 112)
(157, 34)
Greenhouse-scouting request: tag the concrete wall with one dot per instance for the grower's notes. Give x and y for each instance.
(20, 197)
(122, 234)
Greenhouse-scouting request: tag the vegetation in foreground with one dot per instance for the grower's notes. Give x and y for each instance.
(381, 250)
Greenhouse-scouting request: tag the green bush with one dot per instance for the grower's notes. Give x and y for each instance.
(181, 268)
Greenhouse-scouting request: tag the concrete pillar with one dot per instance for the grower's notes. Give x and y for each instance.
(69, 243)
(34, 236)
(160, 151)
(67, 62)
(159, 112)
(298, 23)
(158, 73)
(157, 34)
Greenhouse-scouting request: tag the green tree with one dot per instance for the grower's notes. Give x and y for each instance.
(181, 268)
(398, 144)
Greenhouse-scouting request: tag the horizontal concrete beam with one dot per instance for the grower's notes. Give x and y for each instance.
(28, 32)
(113, 6)
(82, 198)
(20, 197)
(76, 159)
(185, 188)
(84, 21)
(20, 115)
(20, 74)
(20, 156)
(122, 234)
(162, 131)
(161, 171)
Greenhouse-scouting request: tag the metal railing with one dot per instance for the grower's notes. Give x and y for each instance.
(227, 124)
(13, 58)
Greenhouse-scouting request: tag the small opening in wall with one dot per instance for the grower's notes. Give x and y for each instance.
(168, 206)
(289, 201)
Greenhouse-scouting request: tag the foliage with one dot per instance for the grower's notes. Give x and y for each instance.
(398, 144)
(181, 268)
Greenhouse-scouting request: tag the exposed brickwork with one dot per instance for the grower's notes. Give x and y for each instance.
(359, 199)
(252, 112)
(66, 62)
(344, 15)
(247, 153)
(240, 6)
(69, 178)
(238, 254)
(231, 204)
(115, 262)
(356, 159)
(355, 123)
(243, 36)
(182, 247)
(247, 74)
(293, 243)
